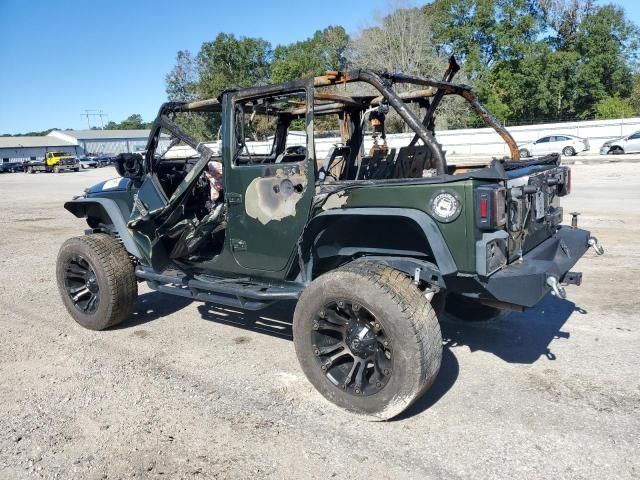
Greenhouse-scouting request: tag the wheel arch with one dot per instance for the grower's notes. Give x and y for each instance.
(402, 238)
(107, 211)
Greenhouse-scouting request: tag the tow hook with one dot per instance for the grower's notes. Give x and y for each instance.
(593, 242)
(556, 288)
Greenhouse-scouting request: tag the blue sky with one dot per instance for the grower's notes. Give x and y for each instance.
(58, 58)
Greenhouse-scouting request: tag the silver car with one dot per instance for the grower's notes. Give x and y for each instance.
(567, 145)
(628, 144)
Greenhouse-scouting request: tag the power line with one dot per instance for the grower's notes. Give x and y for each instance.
(94, 113)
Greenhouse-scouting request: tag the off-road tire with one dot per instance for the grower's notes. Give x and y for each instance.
(568, 151)
(114, 274)
(408, 321)
(524, 153)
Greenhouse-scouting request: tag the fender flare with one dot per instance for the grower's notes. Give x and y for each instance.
(445, 262)
(80, 206)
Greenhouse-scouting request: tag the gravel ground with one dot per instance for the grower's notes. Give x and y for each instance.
(191, 390)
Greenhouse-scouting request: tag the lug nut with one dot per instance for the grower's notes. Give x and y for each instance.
(386, 343)
(386, 371)
(316, 352)
(315, 326)
(323, 367)
(341, 304)
(356, 307)
(377, 325)
(378, 384)
(357, 390)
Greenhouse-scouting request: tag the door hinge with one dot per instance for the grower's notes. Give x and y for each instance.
(237, 244)
(233, 198)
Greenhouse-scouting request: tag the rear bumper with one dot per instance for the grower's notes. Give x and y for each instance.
(525, 283)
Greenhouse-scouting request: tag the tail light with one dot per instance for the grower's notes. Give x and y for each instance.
(491, 201)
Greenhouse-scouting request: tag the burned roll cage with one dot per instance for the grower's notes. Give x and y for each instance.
(325, 103)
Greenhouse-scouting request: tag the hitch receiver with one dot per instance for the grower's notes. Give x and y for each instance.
(572, 278)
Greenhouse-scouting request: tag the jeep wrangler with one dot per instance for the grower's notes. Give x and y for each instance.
(368, 241)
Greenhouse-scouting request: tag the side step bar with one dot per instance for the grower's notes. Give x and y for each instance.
(229, 292)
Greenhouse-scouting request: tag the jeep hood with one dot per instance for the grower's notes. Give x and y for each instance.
(113, 185)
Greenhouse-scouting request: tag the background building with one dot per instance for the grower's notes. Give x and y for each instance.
(20, 149)
(105, 142)
(76, 142)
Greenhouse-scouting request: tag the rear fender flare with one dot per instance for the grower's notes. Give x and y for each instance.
(110, 211)
(445, 262)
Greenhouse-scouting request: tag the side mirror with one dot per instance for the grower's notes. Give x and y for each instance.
(130, 165)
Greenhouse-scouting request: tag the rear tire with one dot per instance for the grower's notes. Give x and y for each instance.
(96, 280)
(568, 151)
(379, 304)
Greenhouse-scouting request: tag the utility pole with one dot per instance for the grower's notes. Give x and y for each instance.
(94, 113)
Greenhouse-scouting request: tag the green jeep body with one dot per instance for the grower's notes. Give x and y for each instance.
(489, 233)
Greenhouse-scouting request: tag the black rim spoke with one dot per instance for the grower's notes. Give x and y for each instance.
(326, 350)
(335, 317)
(352, 348)
(81, 284)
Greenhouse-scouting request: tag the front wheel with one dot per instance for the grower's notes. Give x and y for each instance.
(367, 339)
(524, 153)
(56, 169)
(96, 280)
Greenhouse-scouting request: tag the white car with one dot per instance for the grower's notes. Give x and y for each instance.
(628, 144)
(567, 145)
(88, 162)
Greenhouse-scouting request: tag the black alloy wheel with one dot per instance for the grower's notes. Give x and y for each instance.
(351, 348)
(81, 284)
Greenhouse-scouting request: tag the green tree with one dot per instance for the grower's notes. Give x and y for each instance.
(325, 50)
(614, 107)
(229, 62)
(182, 81)
(132, 122)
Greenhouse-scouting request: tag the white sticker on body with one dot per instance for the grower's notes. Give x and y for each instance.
(113, 183)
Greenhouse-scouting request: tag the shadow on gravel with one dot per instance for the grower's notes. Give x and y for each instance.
(514, 337)
(151, 306)
(449, 370)
(275, 320)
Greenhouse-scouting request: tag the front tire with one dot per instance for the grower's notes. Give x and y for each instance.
(96, 280)
(367, 339)
(524, 153)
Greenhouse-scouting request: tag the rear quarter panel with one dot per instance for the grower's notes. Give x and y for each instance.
(460, 235)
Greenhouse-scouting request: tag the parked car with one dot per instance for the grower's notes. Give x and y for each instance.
(10, 167)
(567, 145)
(88, 162)
(103, 161)
(628, 144)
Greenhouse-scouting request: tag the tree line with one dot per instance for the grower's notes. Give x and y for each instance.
(528, 60)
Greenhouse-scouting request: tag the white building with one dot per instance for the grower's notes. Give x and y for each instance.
(76, 142)
(20, 149)
(105, 142)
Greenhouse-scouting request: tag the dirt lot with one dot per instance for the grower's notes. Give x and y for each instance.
(188, 390)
